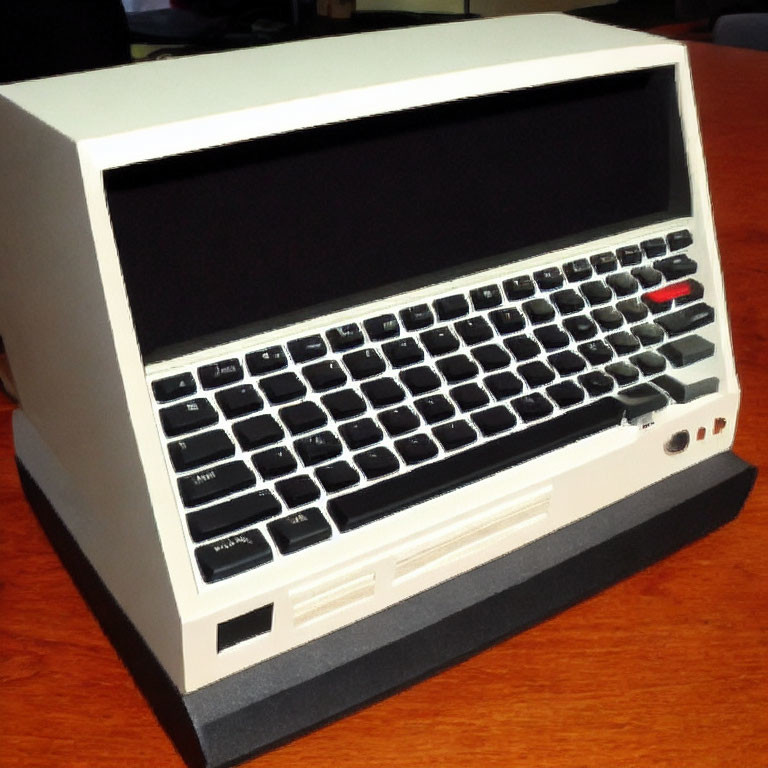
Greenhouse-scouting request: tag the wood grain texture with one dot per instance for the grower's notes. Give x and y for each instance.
(669, 668)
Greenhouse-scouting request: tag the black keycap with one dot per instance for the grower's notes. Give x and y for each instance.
(325, 375)
(377, 462)
(647, 276)
(469, 397)
(370, 503)
(608, 318)
(520, 287)
(580, 327)
(434, 408)
(439, 341)
(507, 320)
(623, 372)
(633, 310)
(415, 318)
(451, 307)
(200, 449)
(685, 393)
(548, 278)
(282, 388)
(297, 491)
(654, 248)
(187, 416)
(337, 476)
(648, 333)
(578, 270)
(228, 516)
(213, 483)
(503, 385)
(299, 530)
(493, 420)
(641, 400)
(491, 357)
(566, 393)
(522, 347)
(174, 387)
(454, 434)
(474, 330)
(382, 392)
(402, 352)
(688, 319)
(266, 360)
(678, 240)
(233, 555)
(302, 417)
(364, 363)
(257, 431)
(675, 267)
(536, 373)
(596, 383)
(398, 421)
(219, 374)
(420, 379)
(604, 262)
(307, 348)
(360, 433)
(597, 352)
(552, 337)
(687, 350)
(345, 337)
(239, 400)
(275, 462)
(567, 362)
(629, 255)
(344, 404)
(695, 290)
(568, 301)
(596, 292)
(416, 448)
(457, 368)
(623, 283)
(623, 342)
(382, 327)
(317, 448)
(539, 310)
(532, 407)
(650, 363)
(486, 297)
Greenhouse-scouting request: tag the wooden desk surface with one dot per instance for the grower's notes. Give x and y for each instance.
(669, 668)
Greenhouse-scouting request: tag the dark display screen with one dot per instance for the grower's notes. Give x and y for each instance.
(232, 240)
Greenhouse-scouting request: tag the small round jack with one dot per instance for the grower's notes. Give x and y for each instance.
(678, 442)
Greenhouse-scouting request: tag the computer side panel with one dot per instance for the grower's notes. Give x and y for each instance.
(77, 434)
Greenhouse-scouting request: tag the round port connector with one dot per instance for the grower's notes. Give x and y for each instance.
(678, 442)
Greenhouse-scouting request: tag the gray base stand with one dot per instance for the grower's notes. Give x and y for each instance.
(277, 700)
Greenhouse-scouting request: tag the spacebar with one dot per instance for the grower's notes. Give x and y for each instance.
(357, 508)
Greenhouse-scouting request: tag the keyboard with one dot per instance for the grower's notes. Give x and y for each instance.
(284, 447)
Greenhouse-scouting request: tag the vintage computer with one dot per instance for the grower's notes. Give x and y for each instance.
(339, 360)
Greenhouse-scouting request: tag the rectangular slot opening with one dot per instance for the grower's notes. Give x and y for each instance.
(244, 627)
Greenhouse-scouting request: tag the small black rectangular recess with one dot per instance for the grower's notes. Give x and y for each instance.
(244, 627)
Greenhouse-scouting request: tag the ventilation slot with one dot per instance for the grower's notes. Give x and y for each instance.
(314, 604)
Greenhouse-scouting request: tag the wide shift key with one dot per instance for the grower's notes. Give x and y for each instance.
(383, 498)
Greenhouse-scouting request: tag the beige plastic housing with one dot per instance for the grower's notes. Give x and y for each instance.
(87, 429)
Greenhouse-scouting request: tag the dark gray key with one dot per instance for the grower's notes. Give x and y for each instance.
(454, 434)
(536, 373)
(318, 448)
(532, 407)
(608, 318)
(675, 267)
(566, 393)
(647, 276)
(685, 393)
(219, 374)
(486, 297)
(266, 360)
(678, 240)
(451, 307)
(567, 362)
(522, 347)
(416, 448)
(474, 330)
(633, 310)
(623, 372)
(578, 270)
(383, 392)
(648, 333)
(624, 342)
(299, 530)
(327, 374)
(214, 482)
(604, 262)
(688, 350)
(187, 416)
(416, 318)
(596, 292)
(403, 352)
(457, 368)
(382, 327)
(257, 431)
(552, 337)
(239, 400)
(274, 462)
(302, 417)
(650, 363)
(196, 450)
(520, 287)
(377, 462)
(345, 337)
(337, 476)
(503, 385)
(507, 320)
(232, 514)
(539, 310)
(364, 363)
(596, 383)
(420, 379)
(398, 421)
(297, 491)
(344, 404)
(654, 248)
(568, 301)
(434, 408)
(629, 255)
(641, 400)
(439, 341)
(358, 434)
(283, 388)
(233, 555)
(307, 348)
(597, 352)
(174, 387)
(370, 503)
(548, 278)
(688, 319)
(468, 397)
(623, 283)
(491, 357)
(493, 420)
(580, 327)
